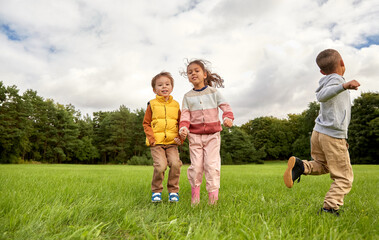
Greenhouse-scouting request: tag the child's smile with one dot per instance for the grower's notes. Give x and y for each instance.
(163, 87)
(196, 76)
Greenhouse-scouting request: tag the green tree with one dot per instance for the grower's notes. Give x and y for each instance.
(139, 138)
(122, 135)
(14, 125)
(270, 135)
(364, 129)
(86, 151)
(119, 135)
(237, 148)
(102, 134)
(302, 127)
(34, 105)
(68, 132)
(43, 131)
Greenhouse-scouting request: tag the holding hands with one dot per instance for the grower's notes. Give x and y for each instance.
(183, 133)
(177, 141)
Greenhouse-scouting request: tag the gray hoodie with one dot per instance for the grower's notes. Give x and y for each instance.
(335, 107)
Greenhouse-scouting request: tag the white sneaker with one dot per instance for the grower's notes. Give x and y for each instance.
(173, 197)
(156, 197)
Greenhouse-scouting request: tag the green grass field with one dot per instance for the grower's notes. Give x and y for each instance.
(113, 202)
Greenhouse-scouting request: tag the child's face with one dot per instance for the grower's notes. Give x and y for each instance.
(196, 75)
(163, 87)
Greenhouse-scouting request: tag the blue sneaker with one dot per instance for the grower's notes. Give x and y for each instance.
(173, 197)
(156, 197)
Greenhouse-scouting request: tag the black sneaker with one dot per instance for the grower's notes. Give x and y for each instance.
(293, 172)
(331, 211)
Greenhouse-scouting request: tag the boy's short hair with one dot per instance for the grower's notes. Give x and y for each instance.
(328, 60)
(162, 74)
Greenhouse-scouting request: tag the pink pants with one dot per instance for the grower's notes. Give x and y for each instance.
(205, 158)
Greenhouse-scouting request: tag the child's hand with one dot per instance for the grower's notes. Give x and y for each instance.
(353, 84)
(228, 123)
(183, 133)
(177, 140)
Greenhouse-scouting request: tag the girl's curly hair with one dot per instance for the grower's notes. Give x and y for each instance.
(213, 79)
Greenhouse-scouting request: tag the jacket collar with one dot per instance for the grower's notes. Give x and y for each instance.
(163, 100)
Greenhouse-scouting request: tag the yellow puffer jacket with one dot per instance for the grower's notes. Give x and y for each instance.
(164, 120)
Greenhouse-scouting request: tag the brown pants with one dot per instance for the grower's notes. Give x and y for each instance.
(331, 155)
(163, 156)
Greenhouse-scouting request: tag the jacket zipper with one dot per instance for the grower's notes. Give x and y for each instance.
(165, 128)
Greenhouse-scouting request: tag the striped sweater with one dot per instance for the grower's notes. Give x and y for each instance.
(200, 111)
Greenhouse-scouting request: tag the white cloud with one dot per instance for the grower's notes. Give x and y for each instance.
(98, 55)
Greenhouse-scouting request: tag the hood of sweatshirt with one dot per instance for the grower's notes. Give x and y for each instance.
(326, 79)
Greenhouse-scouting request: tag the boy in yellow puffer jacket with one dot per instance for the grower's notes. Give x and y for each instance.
(162, 135)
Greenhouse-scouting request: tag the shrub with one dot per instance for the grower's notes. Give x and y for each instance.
(140, 160)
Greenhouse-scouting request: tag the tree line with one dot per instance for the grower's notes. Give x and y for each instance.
(36, 129)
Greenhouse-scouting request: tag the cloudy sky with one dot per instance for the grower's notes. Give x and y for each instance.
(98, 55)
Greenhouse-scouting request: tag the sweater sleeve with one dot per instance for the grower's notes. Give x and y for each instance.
(185, 115)
(147, 125)
(225, 107)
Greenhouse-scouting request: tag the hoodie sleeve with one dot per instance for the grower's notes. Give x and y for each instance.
(329, 89)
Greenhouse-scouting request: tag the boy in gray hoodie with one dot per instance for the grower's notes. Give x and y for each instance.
(329, 148)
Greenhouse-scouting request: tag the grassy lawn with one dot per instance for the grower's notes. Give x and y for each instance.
(113, 202)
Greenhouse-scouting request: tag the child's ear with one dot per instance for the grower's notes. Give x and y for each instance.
(155, 91)
(342, 67)
(342, 64)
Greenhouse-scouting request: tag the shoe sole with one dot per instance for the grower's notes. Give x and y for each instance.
(287, 177)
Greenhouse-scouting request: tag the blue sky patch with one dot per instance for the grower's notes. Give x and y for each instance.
(11, 34)
(52, 49)
(192, 5)
(370, 40)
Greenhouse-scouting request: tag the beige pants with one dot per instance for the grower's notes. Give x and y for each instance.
(163, 156)
(205, 159)
(331, 155)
